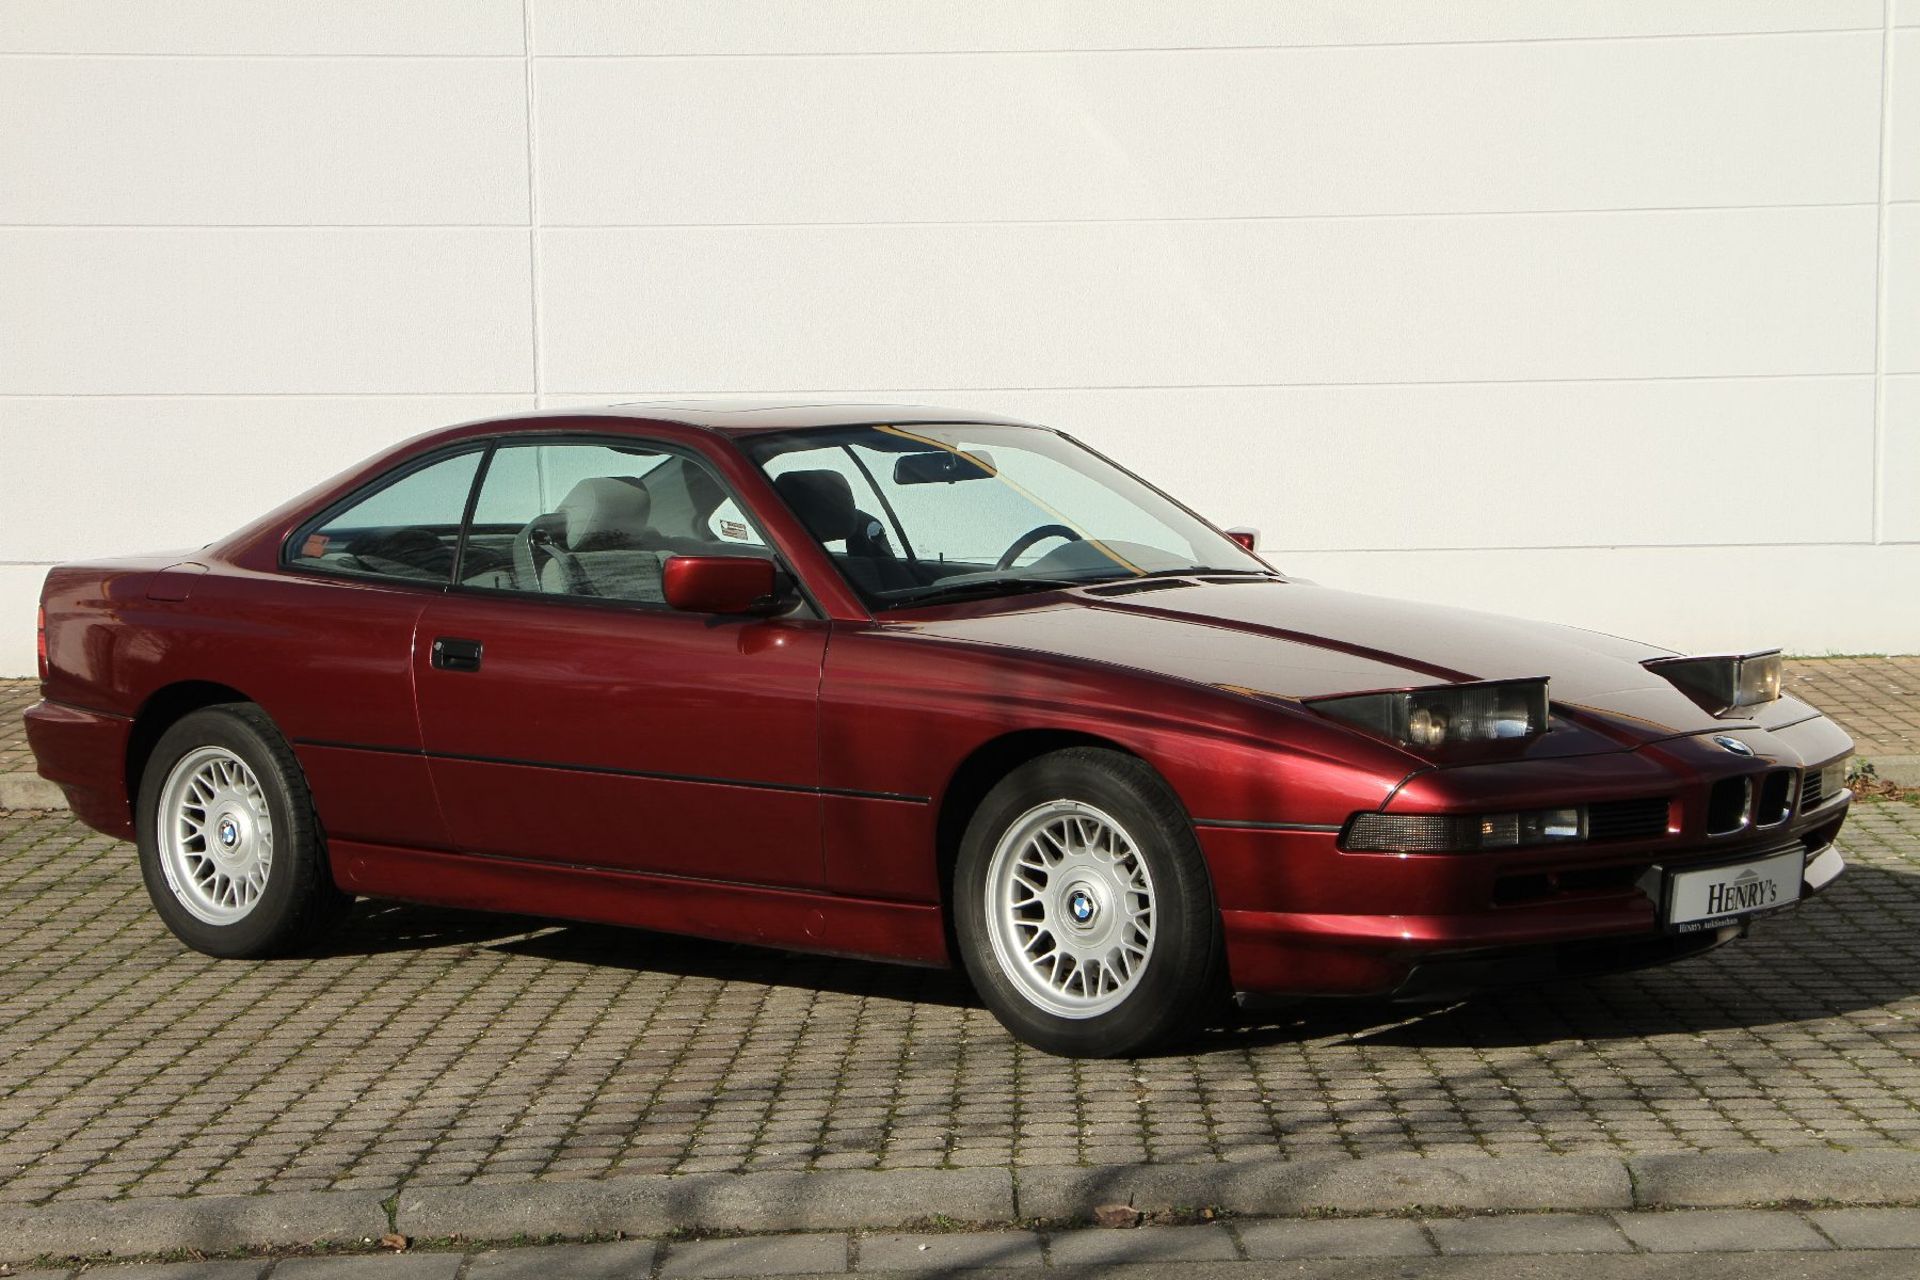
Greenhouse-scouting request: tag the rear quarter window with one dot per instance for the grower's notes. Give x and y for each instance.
(407, 528)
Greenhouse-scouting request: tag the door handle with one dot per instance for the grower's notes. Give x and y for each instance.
(450, 654)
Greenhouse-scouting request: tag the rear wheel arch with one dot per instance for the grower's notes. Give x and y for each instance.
(162, 710)
(260, 885)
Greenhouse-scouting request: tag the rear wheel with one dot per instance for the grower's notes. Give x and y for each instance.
(1084, 912)
(229, 847)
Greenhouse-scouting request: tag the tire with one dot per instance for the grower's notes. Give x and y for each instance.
(1091, 845)
(252, 880)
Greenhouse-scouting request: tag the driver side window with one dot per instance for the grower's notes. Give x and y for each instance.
(597, 521)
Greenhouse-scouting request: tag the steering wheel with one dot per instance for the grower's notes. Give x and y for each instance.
(1030, 537)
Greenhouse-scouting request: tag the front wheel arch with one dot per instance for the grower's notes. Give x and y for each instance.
(979, 773)
(1162, 1000)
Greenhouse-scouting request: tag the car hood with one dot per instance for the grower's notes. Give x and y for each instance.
(1289, 641)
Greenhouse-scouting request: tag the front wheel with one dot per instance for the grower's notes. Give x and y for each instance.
(230, 850)
(1084, 912)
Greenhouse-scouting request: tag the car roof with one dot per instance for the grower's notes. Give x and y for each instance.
(745, 415)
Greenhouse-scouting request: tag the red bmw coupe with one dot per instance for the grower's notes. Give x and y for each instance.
(912, 684)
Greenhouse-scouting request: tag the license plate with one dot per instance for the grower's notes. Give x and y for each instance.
(1713, 896)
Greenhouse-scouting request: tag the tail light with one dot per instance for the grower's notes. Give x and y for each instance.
(40, 641)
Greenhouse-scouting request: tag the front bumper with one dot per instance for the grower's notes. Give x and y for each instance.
(1304, 917)
(1424, 957)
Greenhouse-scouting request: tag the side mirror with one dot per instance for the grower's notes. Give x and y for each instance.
(1245, 536)
(722, 584)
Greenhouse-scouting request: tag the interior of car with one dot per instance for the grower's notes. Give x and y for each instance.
(607, 537)
(906, 515)
(856, 539)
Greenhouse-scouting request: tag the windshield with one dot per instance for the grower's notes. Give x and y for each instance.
(917, 514)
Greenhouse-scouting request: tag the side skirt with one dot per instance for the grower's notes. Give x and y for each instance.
(865, 928)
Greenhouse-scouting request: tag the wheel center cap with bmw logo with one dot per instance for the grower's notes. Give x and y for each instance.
(1081, 907)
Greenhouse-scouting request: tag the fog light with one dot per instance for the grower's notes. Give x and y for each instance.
(1437, 833)
(1560, 824)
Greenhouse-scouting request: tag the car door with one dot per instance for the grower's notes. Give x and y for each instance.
(571, 716)
(342, 620)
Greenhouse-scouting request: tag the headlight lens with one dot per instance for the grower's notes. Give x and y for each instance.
(1726, 682)
(1446, 715)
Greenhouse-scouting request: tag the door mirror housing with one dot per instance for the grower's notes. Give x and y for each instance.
(723, 584)
(1246, 536)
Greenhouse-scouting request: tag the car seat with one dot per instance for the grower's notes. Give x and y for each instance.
(824, 502)
(593, 545)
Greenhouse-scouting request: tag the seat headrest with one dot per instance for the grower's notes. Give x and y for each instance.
(602, 512)
(822, 499)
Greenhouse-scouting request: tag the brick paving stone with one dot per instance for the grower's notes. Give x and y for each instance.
(1877, 700)
(1282, 1239)
(950, 1251)
(15, 697)
(1098, 1246)
(757, 1256)
(244, 1270)
(1529, 1233)
(1869, 1228)
(624, 1260)
(1719, 1230)
(409, 1266)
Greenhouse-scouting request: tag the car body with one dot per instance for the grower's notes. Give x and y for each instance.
(803, 780)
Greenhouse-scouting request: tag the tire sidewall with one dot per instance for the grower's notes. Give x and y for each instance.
(278, 903)
(1173, 989)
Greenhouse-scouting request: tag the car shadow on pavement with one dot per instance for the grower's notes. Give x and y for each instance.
(378, 927)
(1818, 962)
(1814, 963)
(642, 950)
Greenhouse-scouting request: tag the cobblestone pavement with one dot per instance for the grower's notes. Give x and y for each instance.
(1858, 1243)
(434, 1047)
(1876, 699)
(16, 696)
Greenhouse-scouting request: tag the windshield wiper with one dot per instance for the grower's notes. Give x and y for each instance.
(982, 587)
(1193, 571)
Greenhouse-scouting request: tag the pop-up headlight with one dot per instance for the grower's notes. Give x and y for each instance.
(1447, 715)
(1726, 682)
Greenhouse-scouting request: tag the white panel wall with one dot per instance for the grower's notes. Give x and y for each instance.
(1213, 133)
(1596, 310)
(197, 141)
(642, 27)
(1199, 303)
